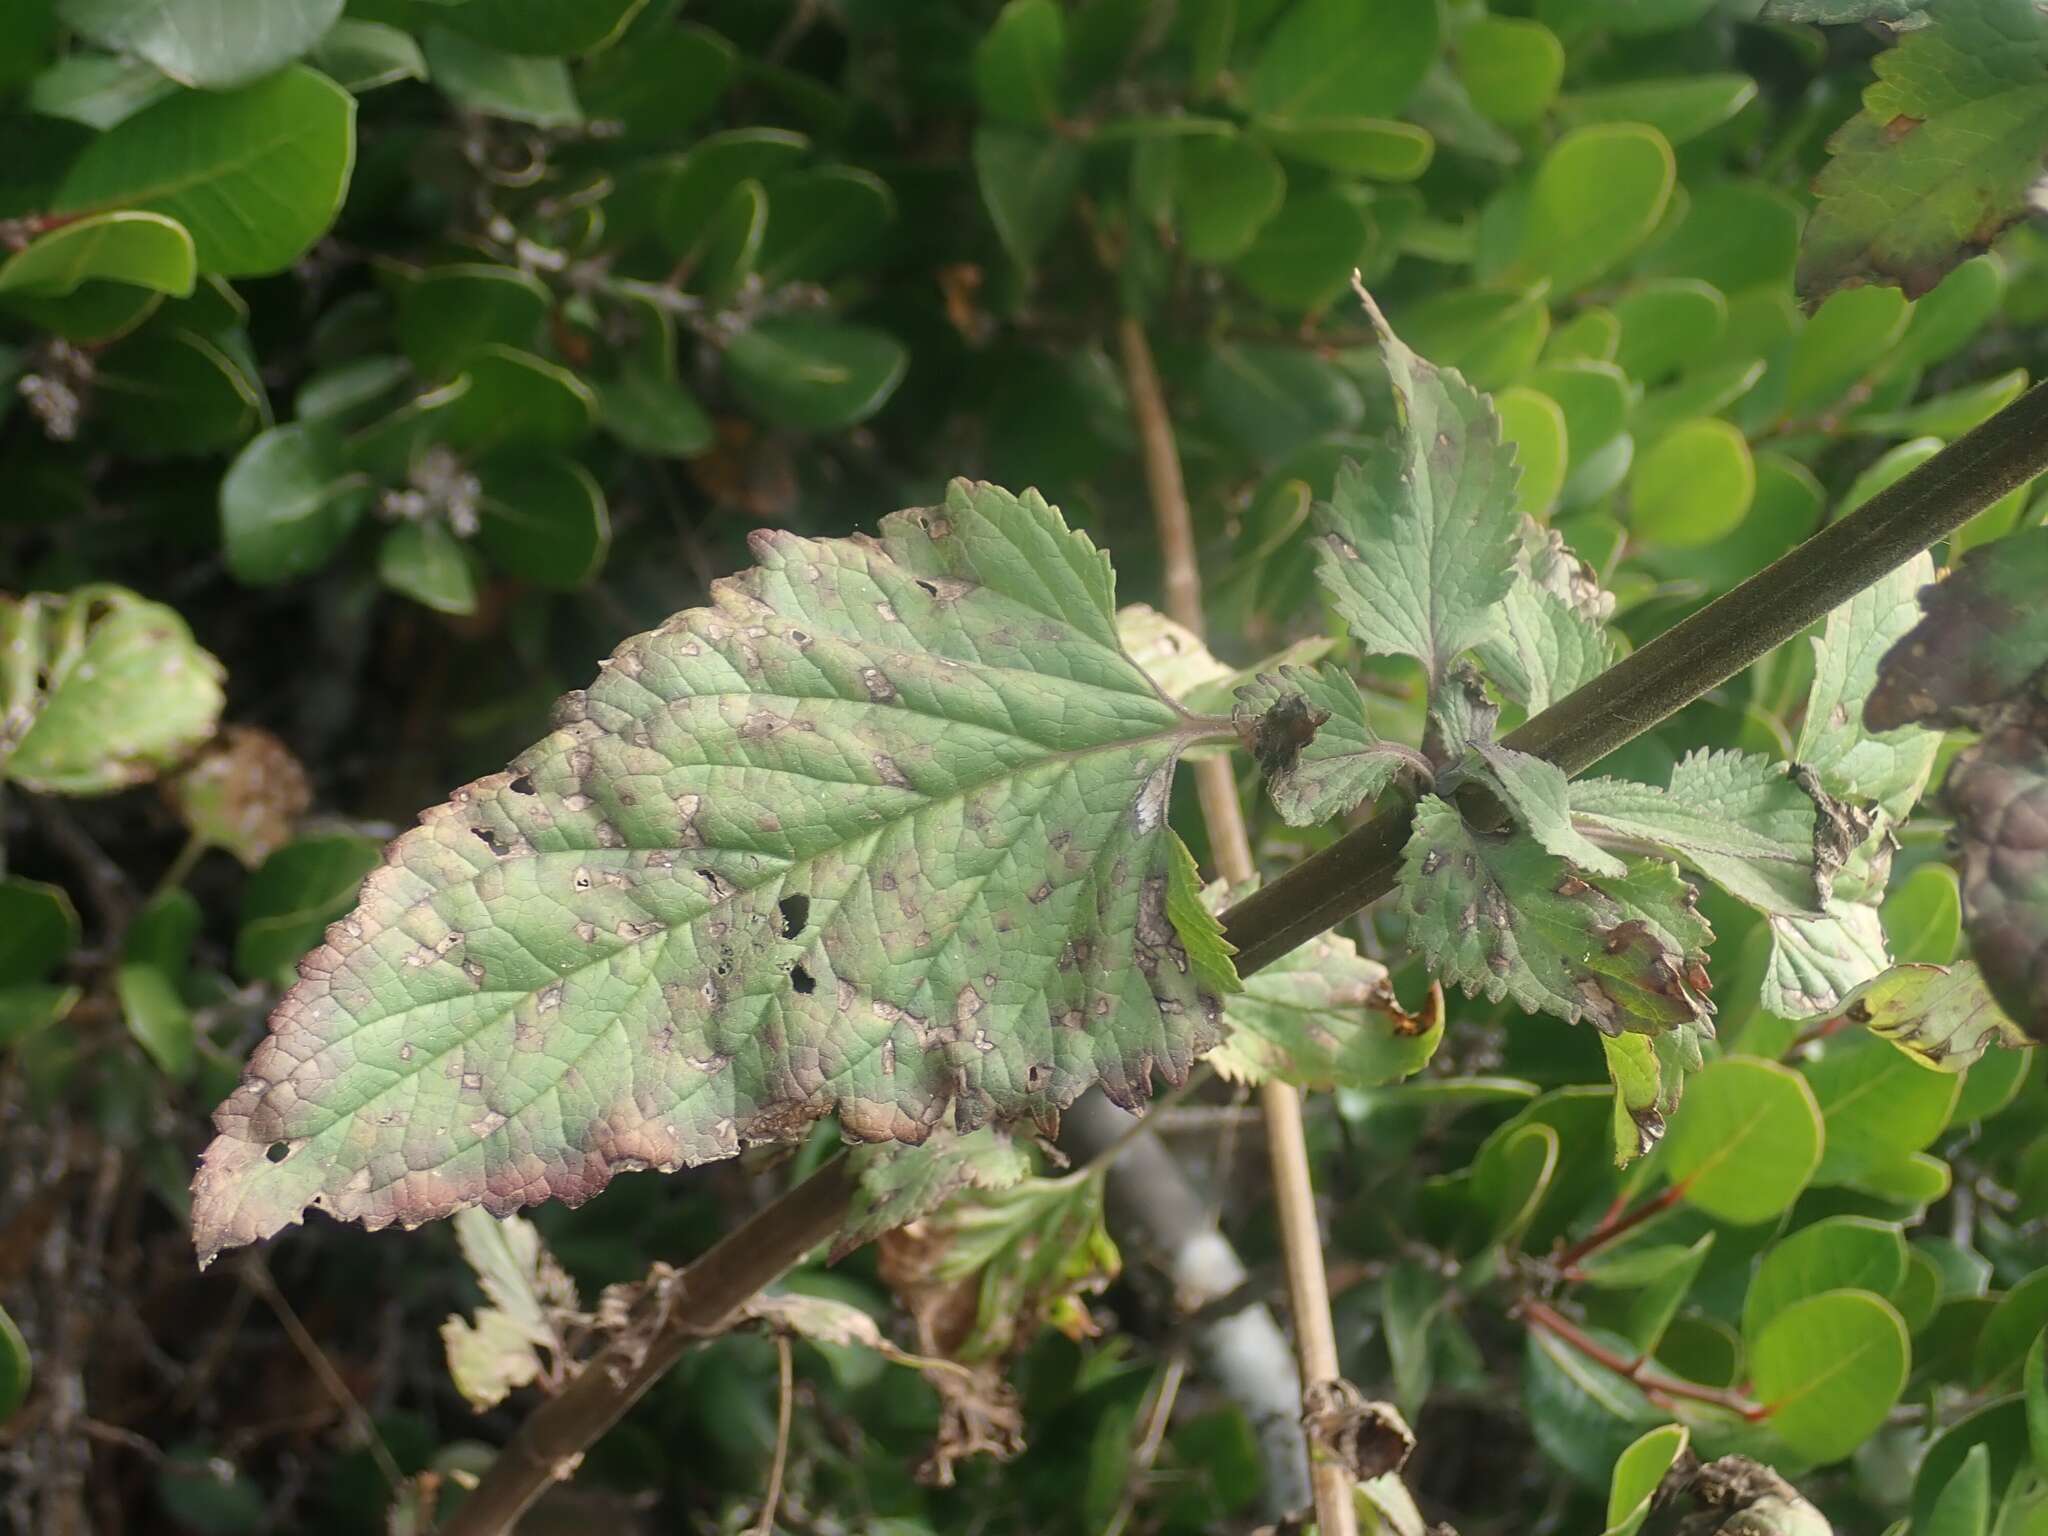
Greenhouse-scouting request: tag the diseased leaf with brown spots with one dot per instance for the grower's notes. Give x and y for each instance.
(1984, 637)
(880, 833)
(1943, 155)
(895, 1184)
(1944, 1015)
(1308, 731)
(1496, 913)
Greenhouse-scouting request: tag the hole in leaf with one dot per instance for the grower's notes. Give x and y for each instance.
(487, 837)
(929, 589)
(802, 980)
(796, 912)
(277, 1151)
(521, 785)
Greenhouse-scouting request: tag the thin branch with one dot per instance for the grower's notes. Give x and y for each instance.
(785, 1412)
(1703, 651)
(1612, 1228)
(1720, 640)
(1308, 1287)
(1654, 1384)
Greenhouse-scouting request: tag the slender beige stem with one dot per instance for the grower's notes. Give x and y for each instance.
(785, 1415)
(1308, 1287)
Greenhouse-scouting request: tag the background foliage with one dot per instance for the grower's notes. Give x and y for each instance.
(371, 369)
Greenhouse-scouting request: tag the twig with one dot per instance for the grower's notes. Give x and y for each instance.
(1147, 1450)
(785, 1410)
(1286, 1144)
(256, 1275)
(1613, 1227)
(1102, 1157)
(1654, 1384)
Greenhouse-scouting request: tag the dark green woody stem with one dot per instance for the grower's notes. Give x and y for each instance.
(1678, 666)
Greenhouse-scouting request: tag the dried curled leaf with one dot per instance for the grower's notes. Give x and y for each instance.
(1998, 792)
(99, 690)
(980, 1277)
(1982, 639)
(1308, 731)
(1368, 1438)
(244, 792)
(1497, 913)
(882, 832)
(1943, 1015)
(517, 1337)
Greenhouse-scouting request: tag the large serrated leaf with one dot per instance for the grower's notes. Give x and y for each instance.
(1418, 545)
(881, 832)
(1552, 636)
(1943, 154)
(1496, 912)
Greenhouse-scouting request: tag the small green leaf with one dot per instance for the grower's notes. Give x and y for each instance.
(2010, 1331)
(544, 519)
(1597, 196)
(2036, 1387)
(428, 564)
(1877, 1103)
(1942, 1016)
(734, 824)
(653, 414)
(550, 28)
(1028, 181)
(1509, 67)
(822, 222)
(658, 88)
(725, 258)
(212, 44)
(697, 187)
(167, 390)
(1017, 66)
(1418, 545)
(292, 897)
(1738, 234)
(100, 691)
(1923, 917)
(147, 250)
(38, 928)
(520, 88)
(1942, 155)
(1681, 108)
(1648, 1073)
(286, 504)
(156, 956)
(1846, 337)
(815, 375)
(1306, 253)
(1667, 325)
(1343, 762)
(1553, 625)
(1534, 425)
(1817, 961)
(1740, 819)
(363, 55)
(1838, 1253)
(447, 312)
(1746, 1141)
(1355, 146)
(1492, 335)
(1330, 58)
(97, 90)
(1275, 401)
(518, 400)
(256, 175)
(1537, 794)
(1694, 486)
(1828, 1369)
(16, 1369)
(1963, 1507)
(1226, 186)
(1638, 1474)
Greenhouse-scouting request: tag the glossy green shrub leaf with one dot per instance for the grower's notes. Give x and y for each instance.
(1491, 335)
(822, 222)
(1941, 156)
(1828, 1369)
(1845, 337)
(543, 519)
(1597, 196)
(1337, 58)
(1742, 820)
(38, 928)
(693, 189)
(815, 375)
(2010, 1330)
(1963, 1507)
(1305, 254)
(429, 564)
(1694, 486)
(1509, 67)
(1017, 66)
(1681, 108)
(545, 27)
(1275, 400)
(725, 258)
(1945, 319)
(2000, 1427)
(677, 865)
(1738, 235)
(292, 897)
(16, 1368)
(147, 250)
(1343, 764)
(1418, 544)
(213, 44)
(1357, 146)
(520, 88)
(167, 390)
(1226, 187)
(659, 86)
(448, 312)
(516, 398)
(2036, 1386)
(361, 56)
(1667, 325)
(1877, 1103)
(1837, 1253)
(287, 502)
(1533, 425)
(653, 414)
(256, 175)
(1746, 1141)
(1028, 181)
(1923, 917)
(99, 690)
(1639, 1473)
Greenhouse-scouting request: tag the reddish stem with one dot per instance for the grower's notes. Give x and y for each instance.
(1539, 1314)
(1613, 1226)
(1820, 1031)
